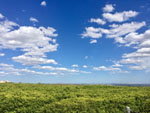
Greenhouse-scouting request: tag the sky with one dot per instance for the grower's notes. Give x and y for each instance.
(75, 41)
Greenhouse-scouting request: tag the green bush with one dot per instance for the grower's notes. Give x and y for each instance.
(45, 98)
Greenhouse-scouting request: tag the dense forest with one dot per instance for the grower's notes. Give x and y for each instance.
(57, 98)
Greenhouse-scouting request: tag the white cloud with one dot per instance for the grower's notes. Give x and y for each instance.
(1, 16)
(7, 69)
(49, 31)
(142, 40)
(103, 68)
(2, 54)
(145, 43)
(84, 66)
(131, 61)
(43, 3)
(85, 72)
(139, 59)
(75, 65)
(119, 16)
(143, 50)
(126, 34)
(32, 19)
(120, 30)
(6, 26)
(137, 67)
(61, 69)
(135, 55)
(111, 69)
(108, 8)
(117, 65)
(27, 32)
(116, 31)
(98, 21)
(28, 60)
(27, 71)
(124, 29)
(34, 42)
(93, 41)
(92, 32)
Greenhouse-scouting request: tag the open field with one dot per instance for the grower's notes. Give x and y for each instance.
(44, 98)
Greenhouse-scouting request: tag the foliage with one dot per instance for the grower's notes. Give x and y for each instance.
(46, 98)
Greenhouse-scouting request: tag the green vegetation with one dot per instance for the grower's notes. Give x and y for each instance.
(46, 98)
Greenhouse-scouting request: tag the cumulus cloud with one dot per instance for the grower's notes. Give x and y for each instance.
(111, 69)
(32, 19)
(6, 26)
(1, 16)
(145, 43)
(7, 69)
(119, 16)
(32, 41)
(32, 72)
(103, 68)
(84, 66)
(92, 32)
(139, 59)
(125, 34)
(27, 37)
(115, 31)
(61, 70)
(123, 29)
(131, 61)
(43, 3)
(135, 38)
(98, 21)
(2, 54)
(117, 65)
(85, 72)
(28, 60)
(93, 41)
(75, 65)
(108, 8)
(137, 67)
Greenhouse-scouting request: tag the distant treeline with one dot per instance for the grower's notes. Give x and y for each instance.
(59, 98)
(131, 84)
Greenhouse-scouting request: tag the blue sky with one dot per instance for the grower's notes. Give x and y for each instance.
(75, 41)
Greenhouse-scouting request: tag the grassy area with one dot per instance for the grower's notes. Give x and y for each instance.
(46, 98)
